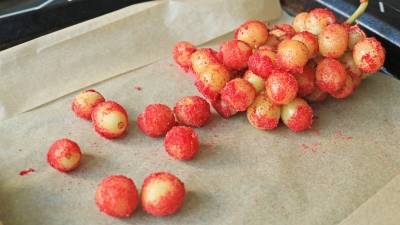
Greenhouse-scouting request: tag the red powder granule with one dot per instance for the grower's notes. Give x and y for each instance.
(24, 172)
(254, 33)
(262, 63)
(182, 52)
(162, 194)
(222, 108)
(330, 75)
(263, 113)
(85, 102)
(281, 87)
(235, 54)
(117, 196)
(156, 120)
(181, 143)
(238, 94)
(192, 111)
(297, 115)
(110, 120)
(64, 155)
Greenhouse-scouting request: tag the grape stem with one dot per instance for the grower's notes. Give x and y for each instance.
(358, 12)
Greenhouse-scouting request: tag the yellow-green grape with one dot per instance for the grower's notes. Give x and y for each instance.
(333, 41)
(297, 115)
(257, 82)
(298, 22)
(263, 113)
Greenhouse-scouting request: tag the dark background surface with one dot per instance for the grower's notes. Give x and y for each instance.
(24, 20)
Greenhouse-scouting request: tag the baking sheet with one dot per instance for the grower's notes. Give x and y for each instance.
(347, 164)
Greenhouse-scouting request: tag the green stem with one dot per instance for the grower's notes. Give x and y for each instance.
(358, 12)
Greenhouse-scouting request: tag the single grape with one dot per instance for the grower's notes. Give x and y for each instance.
(309, 40)
(346, 90)
(235, 54)
(181, 53)
(291, 56)
(305, 80)
(202, 58)
(349, 64)
(238, 94)
(297, 115)
(263, 113)
(298, 23)
(254, 33)
(333, 41)
(355, 34)
(330, 75)
(281, 87)
(369, 55)
(317, 19)
(262, 63)
(257, 82)
(212, 79)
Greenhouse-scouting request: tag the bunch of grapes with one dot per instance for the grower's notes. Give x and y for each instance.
(273, 72)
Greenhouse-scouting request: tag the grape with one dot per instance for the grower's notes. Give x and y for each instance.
(238, 94)
(297, 115)
(283, 31)
(330, 75)
(281, 87)
(263, 113)
(317, 19)
(349, 64)
(316, 95)
(235, 54)
(182, 52)
(333, 41)
(355, 34)
(257, 82)
(309, 40)
(254, 33)
(369, 55)
(346, 90)
(291, 56)
(202, 58)
(212, 79)
(298, 23)
(305, 80)
(262, 62)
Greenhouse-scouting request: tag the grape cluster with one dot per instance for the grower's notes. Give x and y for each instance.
(273, 72)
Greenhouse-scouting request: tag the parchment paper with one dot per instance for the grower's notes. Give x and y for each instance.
(345, 166)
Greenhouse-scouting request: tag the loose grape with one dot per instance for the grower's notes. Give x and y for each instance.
(181, 143)
(333, 41)
(369, 55)
(254, 33)
(263, 113)
(281, 87)
(156, 120)
(109, 119)
(84, 103)
(192, 111)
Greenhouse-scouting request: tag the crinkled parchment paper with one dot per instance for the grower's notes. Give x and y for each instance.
(343, 170)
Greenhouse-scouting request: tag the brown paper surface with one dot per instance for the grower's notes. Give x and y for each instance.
(347, 164)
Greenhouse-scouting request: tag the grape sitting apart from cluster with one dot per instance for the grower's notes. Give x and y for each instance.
(273, 72)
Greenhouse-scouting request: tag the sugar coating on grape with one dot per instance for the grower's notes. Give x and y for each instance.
(330, 75)
(117, 196)
(291, 56)
(309, 40)
(181, 53)
(333, 41)
(317, 19)
(238, 94)
(298, 22)
(305, 80)
(64, 155)
(181, 143)
(192, 111)
(211, 80)
(235, 54)
(254, 33)
(110, 120)
(202, 58)
(355, 34)
(222, 108)
(369, 55)
(84, 103)
(346, 90)
(162, 194)
(262, 63)
(316, 95)
(257, 81)
(281, 87)
(297, 115)
(263, 113)
(156, 120)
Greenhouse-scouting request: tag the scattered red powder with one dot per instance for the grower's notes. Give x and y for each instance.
(138, 88)
(24, 172)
